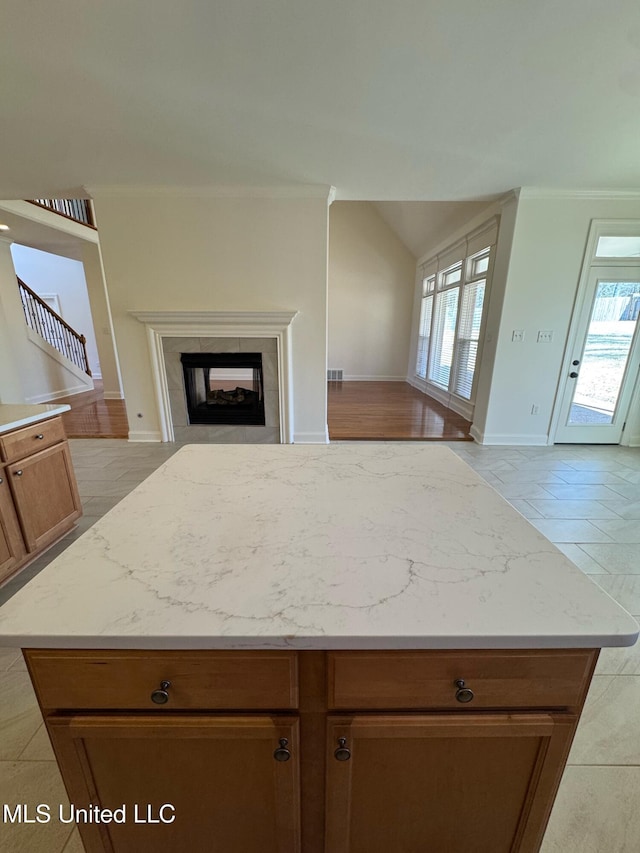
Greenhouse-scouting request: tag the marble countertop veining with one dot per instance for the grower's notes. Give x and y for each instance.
(313, 547)
(15, 415)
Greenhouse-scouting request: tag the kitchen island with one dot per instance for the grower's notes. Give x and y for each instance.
(318, 648)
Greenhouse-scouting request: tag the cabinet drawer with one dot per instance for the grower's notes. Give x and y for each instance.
(427, 679)
(198, 680)
(23, 442)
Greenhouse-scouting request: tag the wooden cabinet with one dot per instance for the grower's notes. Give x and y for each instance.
(39, 499)
(444, 782)
(411, 762)
(12, 548)
(221, 787)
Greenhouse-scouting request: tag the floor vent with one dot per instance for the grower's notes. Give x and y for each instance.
(334, 375)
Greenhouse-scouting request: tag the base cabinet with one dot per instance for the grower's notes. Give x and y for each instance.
(39, 499)
(440, 783)
(458, 768)
(185, 783)
(12, 547)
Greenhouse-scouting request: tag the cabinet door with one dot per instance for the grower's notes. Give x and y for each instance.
(220, 774)
(46, 495)
(12, 549)
(443, 784)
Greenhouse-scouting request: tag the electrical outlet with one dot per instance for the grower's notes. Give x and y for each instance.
(535, 409)
(517, 335)
(545, 336)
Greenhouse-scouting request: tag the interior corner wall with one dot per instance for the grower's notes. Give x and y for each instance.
(217, 254)
(371, 283)
(12, 337)
(546, 257)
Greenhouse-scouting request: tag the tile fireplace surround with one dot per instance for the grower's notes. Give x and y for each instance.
(269, 333)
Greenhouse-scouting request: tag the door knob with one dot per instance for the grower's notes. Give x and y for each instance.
(573, 375)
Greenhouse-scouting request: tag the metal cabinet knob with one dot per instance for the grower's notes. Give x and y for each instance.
(40, 436)
(342, 753)
(161, 695)
(282, 753)
(19, 473)
(573, 375)
(463, 693)
(1, 480)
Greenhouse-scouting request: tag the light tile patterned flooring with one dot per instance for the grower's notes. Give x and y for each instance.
(586, 499)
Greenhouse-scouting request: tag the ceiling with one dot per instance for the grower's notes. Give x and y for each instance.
(413, 100)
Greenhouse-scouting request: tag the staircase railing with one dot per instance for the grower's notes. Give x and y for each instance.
(78, 209)
(50, 326)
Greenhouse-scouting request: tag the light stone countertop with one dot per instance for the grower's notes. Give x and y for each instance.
(15, 415)
(313, 547)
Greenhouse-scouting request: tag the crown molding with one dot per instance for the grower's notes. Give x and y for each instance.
(293, 191)
(564, 193)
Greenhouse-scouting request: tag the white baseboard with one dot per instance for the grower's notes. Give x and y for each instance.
(510, 439)
(368, 378)
(476, 434)
(145, 435)
(311, 437)
(113, 395)
(634, 441)
(55, 395)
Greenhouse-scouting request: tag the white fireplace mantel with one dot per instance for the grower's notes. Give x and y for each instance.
(219, 324)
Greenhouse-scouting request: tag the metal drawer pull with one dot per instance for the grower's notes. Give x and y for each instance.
(19, 473)
(161, 695)
(282, 753)
(342, 753)
(40, 436)
(463, 693)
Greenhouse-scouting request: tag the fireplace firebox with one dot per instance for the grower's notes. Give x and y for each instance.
(224, 388)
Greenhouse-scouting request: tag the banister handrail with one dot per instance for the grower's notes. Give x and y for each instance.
(76, 209)
(44, 320)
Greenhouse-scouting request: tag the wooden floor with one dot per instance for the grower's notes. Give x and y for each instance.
(92, 416)
(390, 411)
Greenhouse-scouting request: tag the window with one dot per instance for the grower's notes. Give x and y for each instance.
(450, 319)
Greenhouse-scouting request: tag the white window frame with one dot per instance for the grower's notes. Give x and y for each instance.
(433, 269)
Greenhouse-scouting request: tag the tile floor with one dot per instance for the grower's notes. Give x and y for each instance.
(586, 499)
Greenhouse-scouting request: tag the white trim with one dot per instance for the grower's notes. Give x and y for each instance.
(55, 395)
(144, 435)
(113, 395)
(219, 324)
(634, 441)
(285, 191)
(476, 434)
(559, 193)
(311, 437)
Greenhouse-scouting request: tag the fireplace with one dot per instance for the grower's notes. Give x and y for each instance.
(224, 388)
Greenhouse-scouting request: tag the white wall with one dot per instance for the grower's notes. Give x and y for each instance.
(371, 280)
(47, 273)
(217, 254)
(32, 370)
(544, 266)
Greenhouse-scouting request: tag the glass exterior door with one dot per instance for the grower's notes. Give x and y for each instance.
(604, 365)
